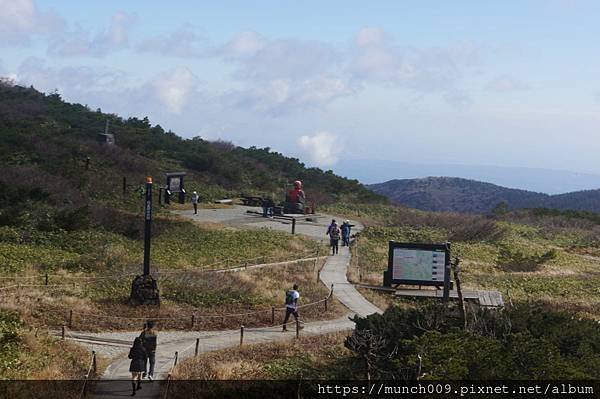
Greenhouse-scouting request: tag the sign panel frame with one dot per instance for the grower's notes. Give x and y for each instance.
(388, 275)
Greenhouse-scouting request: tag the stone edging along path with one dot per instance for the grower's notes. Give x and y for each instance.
(333, 272)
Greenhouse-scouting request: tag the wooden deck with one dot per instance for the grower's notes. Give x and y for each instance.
(484, 298)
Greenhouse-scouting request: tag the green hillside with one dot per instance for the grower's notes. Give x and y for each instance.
(47, 140)
(452, 194)
(67, 218)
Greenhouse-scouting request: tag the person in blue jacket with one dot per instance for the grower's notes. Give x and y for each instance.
(346, 233)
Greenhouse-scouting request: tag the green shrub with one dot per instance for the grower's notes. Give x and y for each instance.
(527, 341)
(10, 324)
(515, 260)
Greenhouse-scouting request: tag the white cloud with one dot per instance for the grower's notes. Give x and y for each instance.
(279, 97)
(322, 149)
(184, 43)
(281, 76)
(370, 36)
(81, 43)
(244, 44)
(71, 80)
(259, 58)
(506, 84)
(20, 19)
(174, 88)
(375, 58)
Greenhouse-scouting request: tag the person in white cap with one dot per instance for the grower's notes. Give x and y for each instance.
(346, 233)
(195, 199)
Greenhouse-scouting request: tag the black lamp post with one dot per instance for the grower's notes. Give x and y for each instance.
(147, 225)
(144, 288)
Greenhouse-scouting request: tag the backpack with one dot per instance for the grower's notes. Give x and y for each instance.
(334, 233)
(289, 298)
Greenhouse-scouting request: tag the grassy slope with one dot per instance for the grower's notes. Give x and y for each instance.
(315, 357)
(60, 217)
(568, 282)
(569, 279)
(27, 353)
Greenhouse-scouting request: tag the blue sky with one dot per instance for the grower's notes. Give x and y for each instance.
(469, 82)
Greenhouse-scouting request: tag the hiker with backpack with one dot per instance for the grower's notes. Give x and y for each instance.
(137, 354)
(333, 231)
(291, 305)
(148, 337)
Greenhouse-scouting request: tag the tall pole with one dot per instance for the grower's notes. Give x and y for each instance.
(148, 225)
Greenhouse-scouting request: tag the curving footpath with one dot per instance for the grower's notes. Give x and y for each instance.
(333, 272)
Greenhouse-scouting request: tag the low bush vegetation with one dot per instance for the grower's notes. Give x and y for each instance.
(524, 342)
(517, 261)
(25, 354)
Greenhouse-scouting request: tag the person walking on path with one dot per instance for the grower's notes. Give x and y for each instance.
(291, 305)
(333, 231)
(195, 199)
(148, 337)
(346, 233)
(137, 354)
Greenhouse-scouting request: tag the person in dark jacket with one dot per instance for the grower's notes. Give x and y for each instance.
(148, 337)
(333, 231)
(346, 233)
(137, 354)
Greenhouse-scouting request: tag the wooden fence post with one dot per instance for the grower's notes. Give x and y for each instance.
(297, 328)
(272, 315)
(293, 225)
(71, 318)
(63, 331)
(94, 364)
(46, 279)
(176, 357)
(241, 335)
(197, 344)
(193, 320)
(461, 302)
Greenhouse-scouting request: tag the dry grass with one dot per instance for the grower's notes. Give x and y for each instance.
(215, 295)
(44, 357)
(281, 360)
(382, 300)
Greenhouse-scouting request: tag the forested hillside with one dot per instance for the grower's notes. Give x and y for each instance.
(47, 141)
(451, 194)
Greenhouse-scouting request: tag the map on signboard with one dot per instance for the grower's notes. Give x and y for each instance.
(418, 264)
(175, 184)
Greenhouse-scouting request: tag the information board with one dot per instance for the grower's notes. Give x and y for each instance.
(175, 184)
(418, 264)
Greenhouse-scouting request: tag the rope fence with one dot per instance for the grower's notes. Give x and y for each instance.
(232, 265)
(92, 368)
(69, 319)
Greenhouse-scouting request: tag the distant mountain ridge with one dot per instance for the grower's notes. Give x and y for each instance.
(453, 194)
(549, 181)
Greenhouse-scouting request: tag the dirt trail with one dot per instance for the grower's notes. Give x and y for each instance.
(184, 342)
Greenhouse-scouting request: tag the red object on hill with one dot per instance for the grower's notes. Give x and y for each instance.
(297, 194)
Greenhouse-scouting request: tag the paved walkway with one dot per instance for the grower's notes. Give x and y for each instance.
(333, 272)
